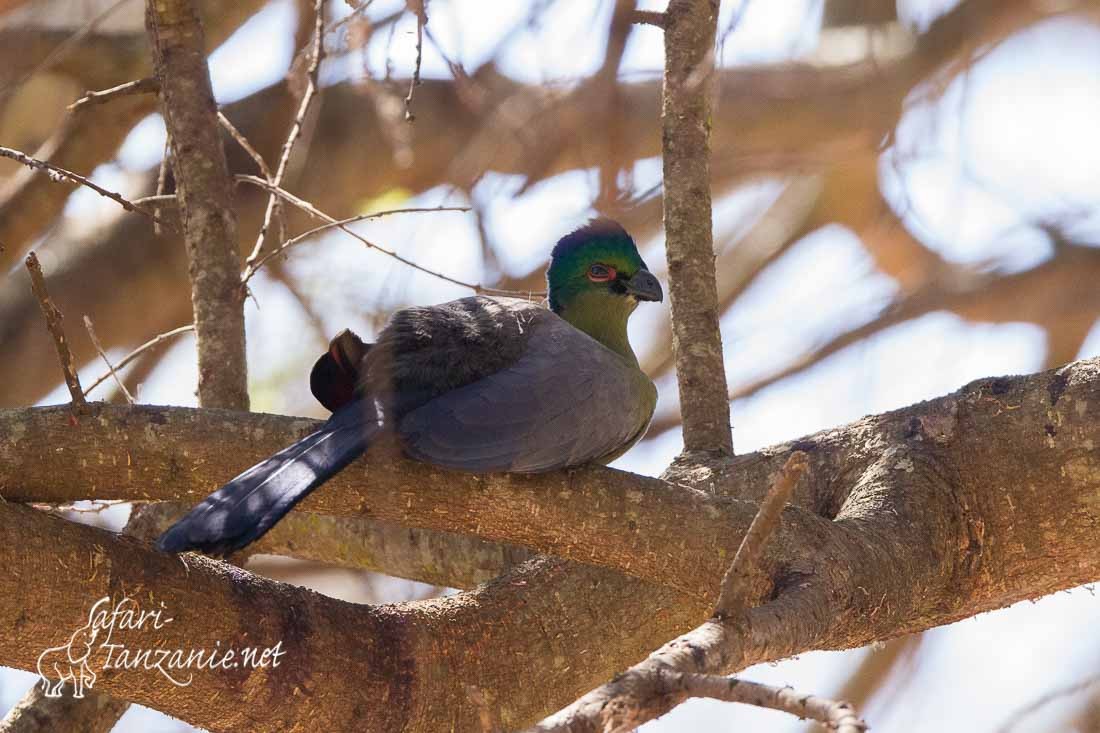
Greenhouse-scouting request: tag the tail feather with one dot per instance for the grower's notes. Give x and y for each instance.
(249, 505)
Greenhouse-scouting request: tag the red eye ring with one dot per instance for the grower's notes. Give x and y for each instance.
(601, 273)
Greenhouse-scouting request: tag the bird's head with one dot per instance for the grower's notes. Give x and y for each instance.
(596, 280)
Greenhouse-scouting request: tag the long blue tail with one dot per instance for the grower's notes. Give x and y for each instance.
(248, 506)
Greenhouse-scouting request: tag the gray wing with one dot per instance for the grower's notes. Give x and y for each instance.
(566, 401)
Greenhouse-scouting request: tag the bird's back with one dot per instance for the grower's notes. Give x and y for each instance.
(501, 384)
(427, 351)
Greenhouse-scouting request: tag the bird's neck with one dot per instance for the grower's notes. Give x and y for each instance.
(604, 319)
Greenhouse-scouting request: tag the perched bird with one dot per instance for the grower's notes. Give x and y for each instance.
(478, 384)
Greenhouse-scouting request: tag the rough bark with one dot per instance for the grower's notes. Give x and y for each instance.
(205, 193)
(442, 559)
(690, 27)
(94, 713)
(941, 510)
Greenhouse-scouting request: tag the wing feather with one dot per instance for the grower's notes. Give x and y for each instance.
(567, 400)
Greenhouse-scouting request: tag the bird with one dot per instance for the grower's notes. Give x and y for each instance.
(480, 384)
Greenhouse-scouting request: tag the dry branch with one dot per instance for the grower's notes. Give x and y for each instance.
(150, 344)
(254, 267)
(343, 226)
(736, 585)
(103, 355)
(57, 174)
(834, 714)
(317, 52)
(148, 85)
(54, 325)
(90, 136)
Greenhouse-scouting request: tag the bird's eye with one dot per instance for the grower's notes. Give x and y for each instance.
(601, 273)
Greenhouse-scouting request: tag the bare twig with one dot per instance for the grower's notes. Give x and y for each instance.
(58, 174)
(314, 211)
(735, 585)
(162, 181)
(648, 17)
(245, 145)
(54, 320)
(317, 53)
(103, 355)
(837, 715)
(162, 178)
(164, 199)
(148, 85)
(238, 136)
(151, 343)
(298, 239)
(418, 7)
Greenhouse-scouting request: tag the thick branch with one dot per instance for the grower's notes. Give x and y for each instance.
(437, 558)
(205, 192)
(930, 505)
(627, 522)
(690, 27)
(346, 667)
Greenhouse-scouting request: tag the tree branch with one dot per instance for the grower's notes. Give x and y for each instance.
(949, 466)
(690, 27)
(54, 320)
(926, 531)
(205, 192)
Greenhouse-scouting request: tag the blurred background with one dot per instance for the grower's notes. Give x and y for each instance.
(907, 197)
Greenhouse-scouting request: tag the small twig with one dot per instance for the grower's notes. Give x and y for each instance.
(156, 340)
(54, 320)
(148, 85)
(314, 211)
(245, 145)
(258, 159)
(353, 15)
(735, 586)
(166, 199)
(58, 174)
(648, 17)
(421, 21)
(298, 239)
(659, 683)
(103, 355)
(162, 178)
(318, 51)
(836, 714)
